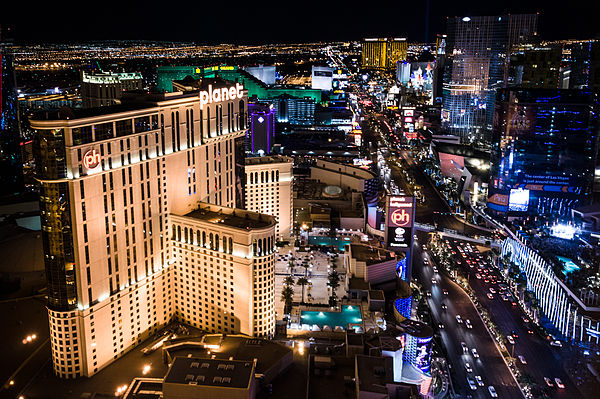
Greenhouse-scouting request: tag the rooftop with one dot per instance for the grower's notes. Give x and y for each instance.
(377, 295)
(374, 373)
(232, 217)
(211, 372)
(357, 283)
(370, 255)
(131, 101)
(270, 159)
(268, 354)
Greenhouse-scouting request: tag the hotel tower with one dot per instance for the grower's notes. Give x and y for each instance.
(140, 226)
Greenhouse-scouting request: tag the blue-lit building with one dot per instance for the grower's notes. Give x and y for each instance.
(11, 167)
(261, 135)
(477, 49)
(544, 151)
(294, 110)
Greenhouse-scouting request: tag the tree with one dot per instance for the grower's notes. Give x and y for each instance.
(333, 280)
(302, 281)
(287, 297)
(289, 280)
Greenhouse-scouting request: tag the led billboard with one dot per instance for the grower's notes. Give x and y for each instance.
(518, 200)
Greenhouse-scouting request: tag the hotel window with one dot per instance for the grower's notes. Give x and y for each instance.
(124, 128)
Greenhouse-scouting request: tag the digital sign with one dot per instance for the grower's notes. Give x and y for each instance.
(423, 358)
(91, 159)
(400, 219)
(518, 200)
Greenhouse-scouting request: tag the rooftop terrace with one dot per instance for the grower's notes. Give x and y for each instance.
(232, 217)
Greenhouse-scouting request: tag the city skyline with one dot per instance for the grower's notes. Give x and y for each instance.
(247, 24)
(397, 201)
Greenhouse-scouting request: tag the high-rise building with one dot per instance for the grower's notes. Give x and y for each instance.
(537, 67)
(119, 189)
(585, 64)
(478, 49)
(269, 182)
(383, 53)
(261, 135)
(544, 151)
(266, 74)
(294, 110)
(322, 78)
(106, 88)
(11, 166)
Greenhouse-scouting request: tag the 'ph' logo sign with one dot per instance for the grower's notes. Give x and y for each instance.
(400, 217)
(91, 159)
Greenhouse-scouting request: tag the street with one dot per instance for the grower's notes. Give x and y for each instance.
(489, 365)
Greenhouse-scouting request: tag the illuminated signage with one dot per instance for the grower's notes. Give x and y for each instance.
(400, 218)
(218, 95)
(91, 159)
(518, 200)
(409, 112)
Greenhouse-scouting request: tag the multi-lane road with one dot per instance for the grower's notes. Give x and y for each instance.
(490, 365)
(542, 360)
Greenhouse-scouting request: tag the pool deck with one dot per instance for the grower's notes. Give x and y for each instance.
(349, 315)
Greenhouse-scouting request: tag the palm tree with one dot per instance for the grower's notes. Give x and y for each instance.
(333, 280)
(287, 297)
(302, 281)
(289, 281)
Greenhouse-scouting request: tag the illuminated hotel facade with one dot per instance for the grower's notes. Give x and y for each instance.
(113, 183)
(269, 182)
(383, 54)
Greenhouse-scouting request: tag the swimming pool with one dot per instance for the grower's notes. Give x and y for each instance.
(569, 265)
(340, 243)
(348, 315)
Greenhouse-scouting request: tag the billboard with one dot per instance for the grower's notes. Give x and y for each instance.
(518, 200)
(497, 199)
(423, 358)
(550, 183)
(399, 221)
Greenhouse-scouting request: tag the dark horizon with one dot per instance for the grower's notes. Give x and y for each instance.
(270, 23)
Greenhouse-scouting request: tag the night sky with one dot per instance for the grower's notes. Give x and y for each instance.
(266, 21)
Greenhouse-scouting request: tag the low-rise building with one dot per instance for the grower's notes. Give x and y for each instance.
(372, 264)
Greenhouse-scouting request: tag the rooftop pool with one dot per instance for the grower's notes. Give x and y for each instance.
(339, 242)
(569, 265)
(348, 315)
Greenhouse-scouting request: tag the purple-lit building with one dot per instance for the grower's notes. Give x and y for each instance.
(261, 135)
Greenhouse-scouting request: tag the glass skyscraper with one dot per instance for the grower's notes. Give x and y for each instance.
(478, 49)
(11, 167)
(544, 150)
